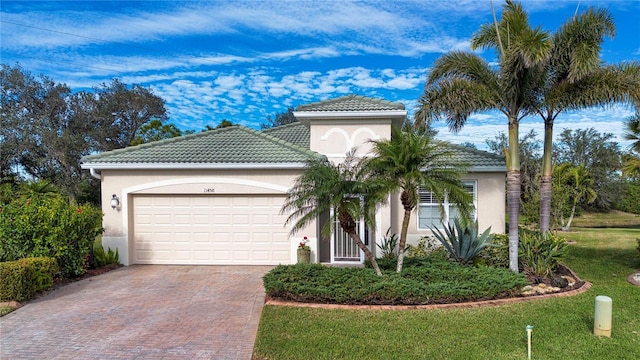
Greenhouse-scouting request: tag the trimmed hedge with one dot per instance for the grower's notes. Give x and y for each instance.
(423, 281)
(23, 278)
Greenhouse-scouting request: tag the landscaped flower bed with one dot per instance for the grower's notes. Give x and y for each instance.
(423, 281)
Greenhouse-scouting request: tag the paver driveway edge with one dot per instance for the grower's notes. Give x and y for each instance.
(142, 312)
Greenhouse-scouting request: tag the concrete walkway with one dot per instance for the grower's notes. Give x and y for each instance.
(142, 312)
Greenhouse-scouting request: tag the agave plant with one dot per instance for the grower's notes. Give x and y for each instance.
(463, 242)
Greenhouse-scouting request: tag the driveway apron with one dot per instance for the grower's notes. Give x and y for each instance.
(142, 312)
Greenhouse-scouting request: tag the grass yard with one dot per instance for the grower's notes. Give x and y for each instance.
(562, 326)
(612, 219)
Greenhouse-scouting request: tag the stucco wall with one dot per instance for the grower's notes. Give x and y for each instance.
(491, 207)
(335, 138)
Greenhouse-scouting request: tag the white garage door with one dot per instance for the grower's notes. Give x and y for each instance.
(212, 230)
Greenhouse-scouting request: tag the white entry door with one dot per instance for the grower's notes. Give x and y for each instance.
(343, 248)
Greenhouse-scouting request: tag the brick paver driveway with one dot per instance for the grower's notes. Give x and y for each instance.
(142, 312)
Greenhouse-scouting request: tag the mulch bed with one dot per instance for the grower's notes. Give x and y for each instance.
(89, 273)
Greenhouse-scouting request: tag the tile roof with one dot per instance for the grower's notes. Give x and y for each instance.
(286, 144)
(478, 159)
(295, 133)
(352, 103)
(234, 144)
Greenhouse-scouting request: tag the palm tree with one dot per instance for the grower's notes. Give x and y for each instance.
(344, 188)
(632, 132)
(409, 161)
(462, 83)
(575, 78)
(40, 189)
(576, 181)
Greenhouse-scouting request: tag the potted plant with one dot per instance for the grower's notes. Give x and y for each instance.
(304, 252)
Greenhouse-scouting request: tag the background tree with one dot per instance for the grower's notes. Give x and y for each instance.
(600, 156)
(462, 83)
(283, 118)
(122, 110)
(344, 188)
(469, 145)
(46, 128)
(155, 130)
(575, 78)
(224, 123)
(409, 161)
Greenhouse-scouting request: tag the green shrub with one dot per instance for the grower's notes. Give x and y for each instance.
(539, 255)
(16, 281)
(426, 245)
(46, 270)
(496, 255)
(105, 258)
(463, 242)
(423, 281)
(49, 226)
(23, 278)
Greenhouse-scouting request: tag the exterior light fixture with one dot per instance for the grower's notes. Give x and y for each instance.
(115, 202)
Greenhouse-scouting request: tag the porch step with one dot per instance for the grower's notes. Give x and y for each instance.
(355, 264)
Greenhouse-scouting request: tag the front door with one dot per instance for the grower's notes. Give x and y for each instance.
(343, 248)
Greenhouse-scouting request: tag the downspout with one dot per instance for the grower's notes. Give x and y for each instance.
(95, 173)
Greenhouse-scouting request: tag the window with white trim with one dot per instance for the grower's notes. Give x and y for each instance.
(429, 215)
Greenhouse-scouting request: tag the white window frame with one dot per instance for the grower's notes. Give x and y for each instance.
(446, 205)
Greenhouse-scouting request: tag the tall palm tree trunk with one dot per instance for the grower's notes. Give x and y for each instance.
(348, 224)
(513, 192)
(513, 206)
(546, 186)
(403, 239)
(356, 239)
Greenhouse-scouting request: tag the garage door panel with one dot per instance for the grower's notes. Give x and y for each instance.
(209, 230)
(202, 219)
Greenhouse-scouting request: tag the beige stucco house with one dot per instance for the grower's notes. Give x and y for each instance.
(215, 197)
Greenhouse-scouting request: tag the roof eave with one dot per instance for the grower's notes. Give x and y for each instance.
(487, 169)
(393, 114)
(190, 166)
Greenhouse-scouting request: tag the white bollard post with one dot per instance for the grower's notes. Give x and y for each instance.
(529, 331)
(602, 316)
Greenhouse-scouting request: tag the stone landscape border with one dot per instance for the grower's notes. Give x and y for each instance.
(476, 304)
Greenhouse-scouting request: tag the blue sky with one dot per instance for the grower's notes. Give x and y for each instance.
(246, 60)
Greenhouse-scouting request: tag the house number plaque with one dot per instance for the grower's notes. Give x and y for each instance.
(209, 190)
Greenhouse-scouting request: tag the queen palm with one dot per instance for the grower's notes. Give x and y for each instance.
(575, 78)
(462, 83)
(409, 161)
(344, 188)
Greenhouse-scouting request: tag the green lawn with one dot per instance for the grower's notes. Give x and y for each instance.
(562, 326)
